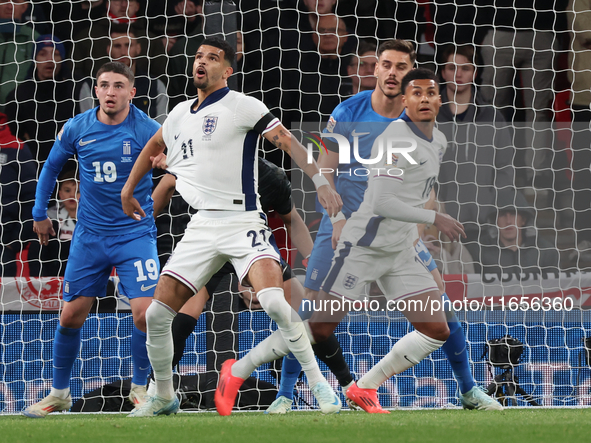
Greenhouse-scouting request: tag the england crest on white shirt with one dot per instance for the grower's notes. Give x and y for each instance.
(209, 124)
(350, 281)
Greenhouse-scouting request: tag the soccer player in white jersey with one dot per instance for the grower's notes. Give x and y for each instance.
(361, 119)
(377, 244)
(212, 150)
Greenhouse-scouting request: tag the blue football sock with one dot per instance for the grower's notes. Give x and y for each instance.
(290, 371)
(291, 368)
(139, 356)
(66, 346)
(456, 352)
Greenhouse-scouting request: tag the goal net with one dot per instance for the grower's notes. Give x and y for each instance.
(526, 133)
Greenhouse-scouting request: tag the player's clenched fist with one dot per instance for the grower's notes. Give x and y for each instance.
(44, 229)
(131, 207)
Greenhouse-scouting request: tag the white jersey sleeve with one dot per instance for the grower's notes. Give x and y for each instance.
(251, 113)
(412, 174)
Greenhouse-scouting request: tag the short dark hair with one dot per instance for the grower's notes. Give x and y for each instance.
(417, 74)
(400, 46)
(123, 28)
(117, 68)
(364, 47)
(69, 175)
(216, 42)
(465, 50)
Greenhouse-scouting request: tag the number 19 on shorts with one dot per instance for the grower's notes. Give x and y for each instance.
(150, 268)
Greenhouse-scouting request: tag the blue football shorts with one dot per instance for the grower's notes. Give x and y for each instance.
(92, 258)
(351, 192)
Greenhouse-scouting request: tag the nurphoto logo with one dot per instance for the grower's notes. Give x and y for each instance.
(392, 147)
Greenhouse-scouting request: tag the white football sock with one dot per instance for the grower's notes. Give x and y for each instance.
(271, 348)
(406, 353)
(292, 330)
(60, 393)
(160, 346)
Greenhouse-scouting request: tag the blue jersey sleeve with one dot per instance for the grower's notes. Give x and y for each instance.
(339, 121)
(62, 150)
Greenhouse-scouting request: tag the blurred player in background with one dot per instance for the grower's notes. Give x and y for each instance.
(50, 260)
(212, 143)
(106, 140)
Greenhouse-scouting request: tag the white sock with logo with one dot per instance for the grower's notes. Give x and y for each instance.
(160, 346)
(271, 348)
(292, 330)
(406, 353)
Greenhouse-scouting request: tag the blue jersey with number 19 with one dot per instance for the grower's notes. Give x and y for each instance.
(106, 154)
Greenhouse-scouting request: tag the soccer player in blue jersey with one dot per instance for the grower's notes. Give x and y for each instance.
(106, 140)
(361, 119)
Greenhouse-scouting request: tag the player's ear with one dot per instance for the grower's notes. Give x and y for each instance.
(228, 72)
(132, 93)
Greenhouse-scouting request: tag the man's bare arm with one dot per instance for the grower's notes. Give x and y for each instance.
(298, 232)
(284, 140)
(163, 193)
(327, 162)
(142, 166)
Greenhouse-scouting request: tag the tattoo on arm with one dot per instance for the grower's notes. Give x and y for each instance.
(276, 141)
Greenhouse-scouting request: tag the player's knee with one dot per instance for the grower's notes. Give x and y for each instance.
(311, 294)
(274, 304)
(139, 320)
(436, 330)
(72, 319)
(153, 317)
(439, 331)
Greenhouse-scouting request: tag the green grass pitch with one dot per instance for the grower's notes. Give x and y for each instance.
(518, 425)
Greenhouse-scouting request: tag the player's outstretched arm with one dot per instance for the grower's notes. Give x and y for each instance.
(142, 166)
(163, 192)
(387, 204)
(329, 162)
(284, 140)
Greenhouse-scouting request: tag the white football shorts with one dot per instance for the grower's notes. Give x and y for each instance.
(398, 274)
(214, 237)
